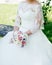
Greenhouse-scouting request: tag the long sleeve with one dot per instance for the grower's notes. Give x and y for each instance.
(40, 17)
(18, 18)
(39, 22)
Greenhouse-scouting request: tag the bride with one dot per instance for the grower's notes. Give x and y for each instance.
(38, 50)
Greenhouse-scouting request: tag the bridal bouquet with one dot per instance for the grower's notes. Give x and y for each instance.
(20, 38)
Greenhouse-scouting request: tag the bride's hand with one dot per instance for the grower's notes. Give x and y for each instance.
(16, 28)
(28, 32)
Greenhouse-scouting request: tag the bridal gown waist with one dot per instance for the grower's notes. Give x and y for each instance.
(27, 25)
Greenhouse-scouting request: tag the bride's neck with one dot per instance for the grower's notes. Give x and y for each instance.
(31, 1)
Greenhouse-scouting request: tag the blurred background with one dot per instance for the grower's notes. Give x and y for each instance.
(8, 11)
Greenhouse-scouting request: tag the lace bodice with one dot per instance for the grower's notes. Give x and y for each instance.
(30, 16)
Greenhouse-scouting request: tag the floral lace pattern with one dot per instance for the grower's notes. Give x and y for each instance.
(25, 7)
(30, 11)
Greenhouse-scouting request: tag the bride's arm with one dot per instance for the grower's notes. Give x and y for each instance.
(17, 21)
(39, 21)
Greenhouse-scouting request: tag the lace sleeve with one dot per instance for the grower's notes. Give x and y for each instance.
(40, 17)
(18, 18)
(39, 24)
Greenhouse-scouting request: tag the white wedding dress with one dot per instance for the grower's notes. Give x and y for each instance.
(38, 50)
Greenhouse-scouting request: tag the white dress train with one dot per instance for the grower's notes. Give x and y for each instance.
(38, 50)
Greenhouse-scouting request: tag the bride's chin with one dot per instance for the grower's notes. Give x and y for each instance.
(30, 0)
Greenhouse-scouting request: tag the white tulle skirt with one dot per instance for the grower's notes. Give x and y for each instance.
(38, 51)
